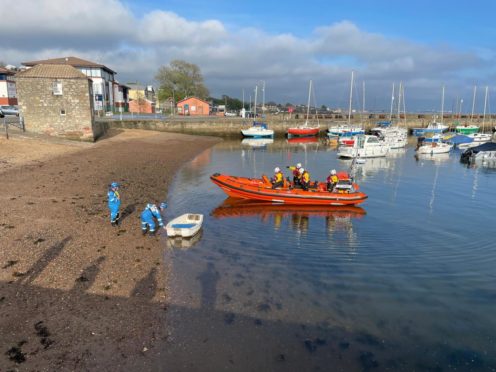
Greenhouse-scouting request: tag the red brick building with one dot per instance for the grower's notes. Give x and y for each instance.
(141, 106)
(193, 106)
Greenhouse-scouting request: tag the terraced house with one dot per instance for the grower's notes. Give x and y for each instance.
(8, 95)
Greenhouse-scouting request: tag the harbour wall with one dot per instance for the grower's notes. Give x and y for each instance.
(231, 126)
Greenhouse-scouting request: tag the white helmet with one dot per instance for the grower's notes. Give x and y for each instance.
(333, 172)
(277, 169)
(298, 165)
(301, 170)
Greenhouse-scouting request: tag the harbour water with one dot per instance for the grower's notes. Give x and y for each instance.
(406, 282)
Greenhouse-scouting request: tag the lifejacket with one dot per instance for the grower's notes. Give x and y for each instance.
(279, 177)
(306, 177)
(332, 179)
(296, 171)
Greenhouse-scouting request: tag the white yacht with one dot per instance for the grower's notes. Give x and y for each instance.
(364, 146)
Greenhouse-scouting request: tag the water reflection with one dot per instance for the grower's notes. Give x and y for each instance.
(336, 218)
(303, 140)
(257, 142)
(283, 285)
(436, 158)
(178, 242)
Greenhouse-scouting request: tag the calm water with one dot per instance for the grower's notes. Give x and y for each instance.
(406, 282)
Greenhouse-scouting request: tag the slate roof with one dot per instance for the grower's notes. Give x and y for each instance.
(52, 72)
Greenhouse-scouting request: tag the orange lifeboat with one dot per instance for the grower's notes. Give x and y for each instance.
(346, 192)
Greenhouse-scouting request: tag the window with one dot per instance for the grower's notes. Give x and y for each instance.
(57, 88)
(62, 112)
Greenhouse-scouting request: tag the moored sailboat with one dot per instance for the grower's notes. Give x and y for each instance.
(305, 129)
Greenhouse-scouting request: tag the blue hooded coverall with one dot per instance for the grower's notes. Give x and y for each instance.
(114, 202)
(147, 218)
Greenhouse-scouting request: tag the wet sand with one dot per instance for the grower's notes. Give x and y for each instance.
(75, 292)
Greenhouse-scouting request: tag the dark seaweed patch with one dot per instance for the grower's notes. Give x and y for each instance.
(229, 318)
(9, 263)
(43, 333)
(368, 339)
(310, 345)
(15, 353)
(264, 307)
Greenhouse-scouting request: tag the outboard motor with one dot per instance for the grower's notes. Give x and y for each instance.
(466, 155)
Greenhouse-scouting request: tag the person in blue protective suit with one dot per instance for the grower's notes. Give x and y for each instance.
(114, 202)
(148, 217)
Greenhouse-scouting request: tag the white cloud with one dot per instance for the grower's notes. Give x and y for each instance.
(168, 28)
(107, 32)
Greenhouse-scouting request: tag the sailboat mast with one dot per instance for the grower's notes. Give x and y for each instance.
(351, 96)
(442, 107)
(399, 99)
(485, 105)
(308, 102)
(473, 105)
(391, 110)
(255, 110)
(363, 97)
(404, 107)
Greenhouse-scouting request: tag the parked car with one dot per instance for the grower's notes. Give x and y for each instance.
(8, 110)
(227, 113)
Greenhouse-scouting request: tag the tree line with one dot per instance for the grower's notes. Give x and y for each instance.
(181, 79)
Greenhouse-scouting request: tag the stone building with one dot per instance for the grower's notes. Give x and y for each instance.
(57, 100)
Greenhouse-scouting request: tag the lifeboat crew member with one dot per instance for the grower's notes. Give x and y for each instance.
(148, 217)
(296, 174)
(305, 179)
(332, 180)
(114, 202)
(278, 179)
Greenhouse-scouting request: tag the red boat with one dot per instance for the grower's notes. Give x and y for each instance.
(303, 131)
(345, 193)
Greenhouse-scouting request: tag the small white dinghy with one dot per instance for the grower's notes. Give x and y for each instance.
(186, 225)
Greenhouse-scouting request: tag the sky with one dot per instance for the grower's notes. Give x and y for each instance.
(280, 44)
